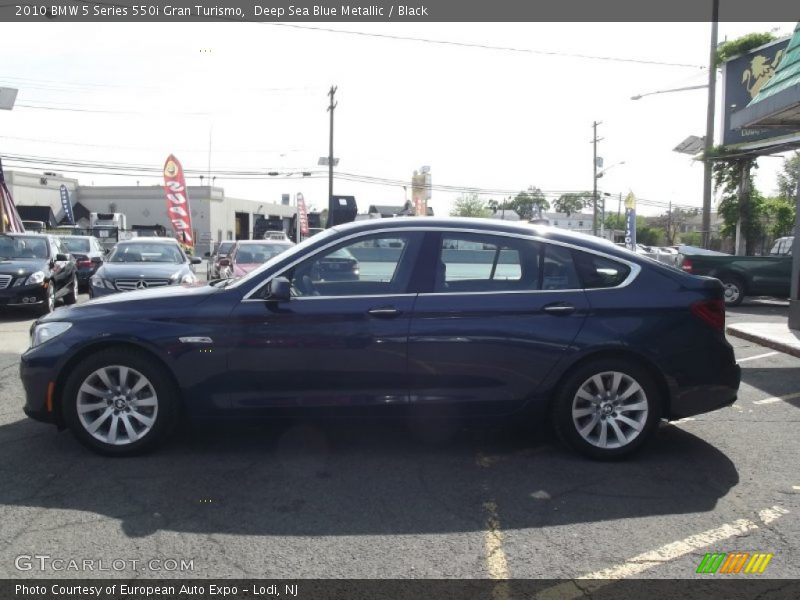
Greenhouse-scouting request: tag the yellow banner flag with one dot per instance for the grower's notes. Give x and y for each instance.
(630, 200)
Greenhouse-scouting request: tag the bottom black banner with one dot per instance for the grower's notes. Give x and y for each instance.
(415, 589)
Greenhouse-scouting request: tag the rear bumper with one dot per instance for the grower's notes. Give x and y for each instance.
(699, 399)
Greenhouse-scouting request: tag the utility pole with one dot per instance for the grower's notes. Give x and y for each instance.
(707, 164)
(595, 139)
(669, 224)
(331, 108)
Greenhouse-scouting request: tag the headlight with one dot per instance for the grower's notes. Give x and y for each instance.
(188, 278)
(35, 278)
(47, 331)
(101, 283)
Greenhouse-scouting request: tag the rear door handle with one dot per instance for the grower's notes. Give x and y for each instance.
(385, 312)
(559, 309)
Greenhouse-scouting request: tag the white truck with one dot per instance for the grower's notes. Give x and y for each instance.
(108, 227)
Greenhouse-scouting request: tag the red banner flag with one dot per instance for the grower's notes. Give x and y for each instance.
(11, 221)
(178, 201)
(302, 214)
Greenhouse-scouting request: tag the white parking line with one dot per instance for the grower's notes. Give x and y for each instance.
(775, 399)
(648, 560)
(741, 360)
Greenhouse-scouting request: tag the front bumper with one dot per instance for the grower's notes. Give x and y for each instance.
(23, 295)
(38, 368)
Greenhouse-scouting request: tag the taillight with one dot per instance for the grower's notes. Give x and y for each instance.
(686, 265)
(84, 263)
(224, 263)
(710, 311)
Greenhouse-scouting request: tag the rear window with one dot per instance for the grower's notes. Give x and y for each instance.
(597, 272)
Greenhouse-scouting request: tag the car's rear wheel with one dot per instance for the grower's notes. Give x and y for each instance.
(72, 295)
(607, 408)
(119, 402)
(734, 290)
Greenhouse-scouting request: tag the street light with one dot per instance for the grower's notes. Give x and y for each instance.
(682, 89)
(607, 169)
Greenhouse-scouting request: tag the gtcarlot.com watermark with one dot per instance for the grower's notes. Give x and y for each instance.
(46, 562)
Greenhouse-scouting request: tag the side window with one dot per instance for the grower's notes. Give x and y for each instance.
(486, 263)
(558, 269)
(598, 272)
(372, 265)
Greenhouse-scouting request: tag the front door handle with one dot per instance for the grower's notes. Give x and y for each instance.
(385, 312)
(559, 309)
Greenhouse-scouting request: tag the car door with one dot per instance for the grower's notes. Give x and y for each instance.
(341, 340)
(498, 315)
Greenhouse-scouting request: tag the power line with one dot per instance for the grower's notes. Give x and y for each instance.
(485, 46)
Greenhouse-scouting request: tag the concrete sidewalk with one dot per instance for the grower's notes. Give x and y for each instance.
(777, 336)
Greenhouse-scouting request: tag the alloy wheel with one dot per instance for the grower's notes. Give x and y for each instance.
(117, 405)
(610, 410)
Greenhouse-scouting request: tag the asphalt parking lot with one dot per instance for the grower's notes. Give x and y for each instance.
(373, 499)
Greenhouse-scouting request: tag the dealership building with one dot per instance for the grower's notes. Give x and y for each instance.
(215, 216)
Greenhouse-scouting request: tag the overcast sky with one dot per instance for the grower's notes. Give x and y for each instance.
(482, 118)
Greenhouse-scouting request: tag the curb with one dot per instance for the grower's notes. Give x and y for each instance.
(764, 341)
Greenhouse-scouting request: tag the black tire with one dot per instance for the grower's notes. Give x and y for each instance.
(163, 417)
(734, 289)
(568, 426)
(50, 301)
(72, 295)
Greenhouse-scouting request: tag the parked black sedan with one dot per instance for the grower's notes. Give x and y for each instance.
(464, 316)
(88, 253)
(35, 272)
(143, 263)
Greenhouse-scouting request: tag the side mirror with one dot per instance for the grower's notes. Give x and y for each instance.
(196, 260)
(106, 251)
(97, 260)
(62, 257)
(207, 254)
(279, 290)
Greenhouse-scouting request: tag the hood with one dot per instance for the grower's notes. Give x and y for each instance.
(23, 266)
(141, 270)
(241, 269)
(178, 297)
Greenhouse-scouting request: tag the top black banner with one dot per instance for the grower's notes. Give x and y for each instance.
(427, 11)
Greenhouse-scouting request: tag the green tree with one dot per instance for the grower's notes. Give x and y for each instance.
(729, 49)
(692, 238)
(529, 203)
(470, 205)
(787, 178)
(572, 202)
(729, 174)
(779, 214)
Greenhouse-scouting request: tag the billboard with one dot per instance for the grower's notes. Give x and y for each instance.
(742, 78)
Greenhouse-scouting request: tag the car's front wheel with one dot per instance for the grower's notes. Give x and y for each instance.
(119, 402)
(49, 304)
(72, 295)
(607, 408)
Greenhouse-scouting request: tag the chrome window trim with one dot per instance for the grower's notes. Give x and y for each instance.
(533, 236)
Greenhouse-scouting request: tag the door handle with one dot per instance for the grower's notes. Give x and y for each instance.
(559, 309)
(384, 311)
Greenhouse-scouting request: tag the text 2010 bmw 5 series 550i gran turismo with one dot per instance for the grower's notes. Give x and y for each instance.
(455, 316)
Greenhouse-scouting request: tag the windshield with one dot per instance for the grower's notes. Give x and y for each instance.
(75, 244)
(291, 252)
(146, 253)
(23, 247)
(258, 253)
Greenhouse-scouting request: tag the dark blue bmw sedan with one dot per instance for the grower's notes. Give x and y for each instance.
(446, 316)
